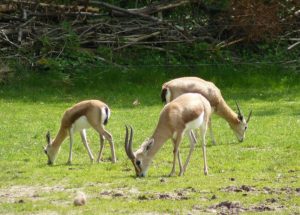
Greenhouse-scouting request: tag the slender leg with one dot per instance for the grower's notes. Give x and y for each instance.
(192, 147)
(86, 144)
(176, 143)
(101, 148)
(108, 136)
(179, 162)
(211, 133)
(71, 144)
(203, 132)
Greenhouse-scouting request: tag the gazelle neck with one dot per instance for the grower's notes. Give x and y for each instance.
(224, 111)
(160, 136)
(60, 137)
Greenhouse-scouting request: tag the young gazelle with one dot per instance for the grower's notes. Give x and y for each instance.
(83, 115)
(188, 111)
(179, 86)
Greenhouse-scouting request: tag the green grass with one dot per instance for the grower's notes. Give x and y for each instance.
(268, 158)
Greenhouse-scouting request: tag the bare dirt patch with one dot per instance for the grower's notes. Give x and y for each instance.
(21, 193)
(133, 193)
(235, 207)
(243, 188)
(265, 190)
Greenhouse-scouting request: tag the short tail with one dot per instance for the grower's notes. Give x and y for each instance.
(163, 95)
(107, 113)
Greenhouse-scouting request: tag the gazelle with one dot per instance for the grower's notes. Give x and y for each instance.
(81, 116)
(188, 111)
(179, 86)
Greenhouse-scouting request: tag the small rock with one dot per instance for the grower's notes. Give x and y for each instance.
(21, 201)
(162, 180)
(80, 199)
(105, 193)
(143, 197)
(164, 196)
(179, 194)
(213, 197)
(271, 200)
(247, 188)
(118, 194)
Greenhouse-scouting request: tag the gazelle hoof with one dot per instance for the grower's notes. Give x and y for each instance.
(171, 174)
(181, 173)
(69, 163)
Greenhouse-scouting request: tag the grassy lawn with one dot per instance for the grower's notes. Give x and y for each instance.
(262, 174)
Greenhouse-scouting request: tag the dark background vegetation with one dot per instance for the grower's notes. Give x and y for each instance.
(71, 46)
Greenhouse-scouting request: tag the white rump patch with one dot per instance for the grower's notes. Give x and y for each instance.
(80, 123)
(196, 123)
(168, 95)
(103, 117)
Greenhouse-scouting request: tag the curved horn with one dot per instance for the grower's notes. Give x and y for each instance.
(239, 110)
(248, 119)
(48, 138)
(128, 144)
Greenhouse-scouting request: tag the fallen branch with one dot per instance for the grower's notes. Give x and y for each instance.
(124, 11)
(293, 45)
(138, 40)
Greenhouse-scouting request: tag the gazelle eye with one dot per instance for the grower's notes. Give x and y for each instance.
(246, 128)
(45, 151)
(138, 162)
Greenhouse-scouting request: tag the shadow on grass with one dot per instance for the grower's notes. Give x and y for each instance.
(120, 89)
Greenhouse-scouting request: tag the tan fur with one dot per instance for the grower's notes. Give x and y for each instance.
(173, 119)
(183, 85)
(91, 109)
(208, 89)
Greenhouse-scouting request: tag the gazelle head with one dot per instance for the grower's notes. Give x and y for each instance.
(242, 125)
(49, 150)
(140, 159)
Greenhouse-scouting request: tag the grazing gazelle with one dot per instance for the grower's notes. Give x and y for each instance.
(188, 111)
(81, 116)
(179, 86)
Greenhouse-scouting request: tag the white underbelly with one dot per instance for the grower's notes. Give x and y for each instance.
(80, 124)
(196, 123)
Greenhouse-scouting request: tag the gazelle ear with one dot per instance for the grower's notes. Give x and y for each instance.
(48, 138)
(44, 149)
(240, 117)
(149, 144)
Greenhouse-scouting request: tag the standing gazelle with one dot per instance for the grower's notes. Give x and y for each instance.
(179, 86)
(83, 115)
(188, 111)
